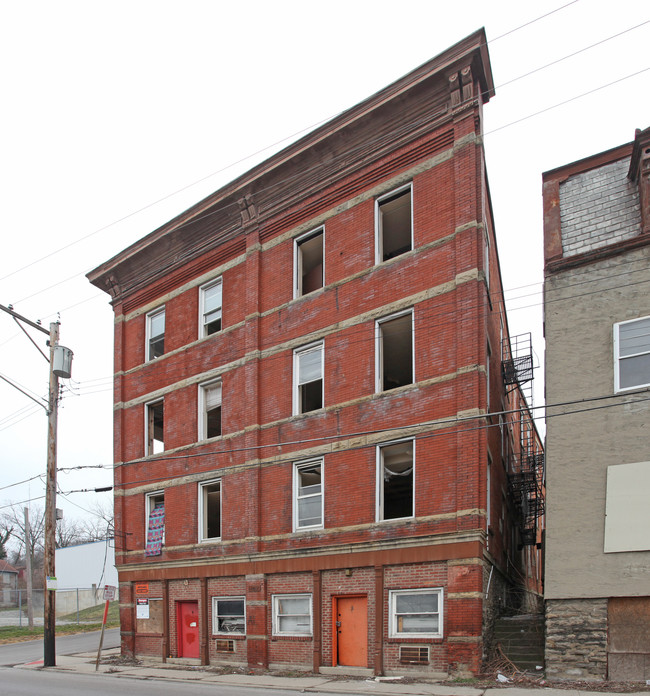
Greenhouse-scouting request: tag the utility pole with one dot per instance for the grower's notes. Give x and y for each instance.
(60, 361)
(28, 563)
(49, 609)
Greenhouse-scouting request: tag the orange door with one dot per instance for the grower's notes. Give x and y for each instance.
(351, 626)
(188, 629)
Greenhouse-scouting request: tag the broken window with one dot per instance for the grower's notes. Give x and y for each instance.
(632, 354)
(308, 253)
(156, 333)
(210, 409)
(155, 523)
(396, 478)
(292, 615)
(415, 613)
(229, 615)
(308, 491)
(394, 351)
(308, 379)
(393, 215)
(210, 307)
(210, 499)
(155, 427)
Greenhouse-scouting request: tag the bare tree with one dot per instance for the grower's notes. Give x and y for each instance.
(100, 526)
(5, 533)
(14, 519)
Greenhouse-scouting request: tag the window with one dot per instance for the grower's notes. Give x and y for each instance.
(210, 307)
(155, 427)
(308, 495)
(155, 523)
(308, 263)
(308, 378)
(210, 510)
(396, 478)
(394, 351)
(155, 333)
(415, 613)
(229, 615)
(393, 222)
(292, 615)
(632, 354)
(210, 410)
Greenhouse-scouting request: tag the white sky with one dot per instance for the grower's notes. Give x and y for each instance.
(110, 107)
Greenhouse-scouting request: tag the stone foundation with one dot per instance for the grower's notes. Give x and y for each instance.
(576, 639)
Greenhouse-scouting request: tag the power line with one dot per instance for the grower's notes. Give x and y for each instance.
(288, 138)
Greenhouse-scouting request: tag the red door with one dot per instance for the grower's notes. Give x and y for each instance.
(188, 629)
(351, 630)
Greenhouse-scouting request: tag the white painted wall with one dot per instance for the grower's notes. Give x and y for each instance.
(86, 565)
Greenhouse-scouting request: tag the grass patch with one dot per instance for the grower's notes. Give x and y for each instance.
(95, 614)
(16, 634)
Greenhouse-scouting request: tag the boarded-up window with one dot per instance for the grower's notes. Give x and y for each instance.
(154, 624)
(627, 508)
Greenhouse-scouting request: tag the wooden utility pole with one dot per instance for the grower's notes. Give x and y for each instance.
(49, 609)
(28, 569)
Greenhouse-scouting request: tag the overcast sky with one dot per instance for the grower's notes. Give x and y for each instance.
(117, 116)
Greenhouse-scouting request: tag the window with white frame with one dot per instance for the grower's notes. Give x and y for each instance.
(632, 354)
(309, 262)
(308, 495)
(156, 333)
(210, 510)
(394, 351)
(292, 615)
(154, 523)
(155, 427)
(210, 410)
(396, 478)
(229, 615)
(210, 300)
(394, 224)
(308, 378)
(415, 613)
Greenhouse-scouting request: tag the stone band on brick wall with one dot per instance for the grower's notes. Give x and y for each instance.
(576, 639)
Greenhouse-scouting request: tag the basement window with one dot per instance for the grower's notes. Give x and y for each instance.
(308, 378)
(632, 354)
(414, 654)
(210, 307)
(210, 510)
(396, 477)
(415, 613)
(308, 262)
(394, 224)
(155, 427)
(394, 351)
(210, 410)
(308, 495)
(229, 615)
(156, 333)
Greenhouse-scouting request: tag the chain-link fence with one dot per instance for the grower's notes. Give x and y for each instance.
(78, 605)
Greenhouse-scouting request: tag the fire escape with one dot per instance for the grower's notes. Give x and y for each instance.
(526, 476)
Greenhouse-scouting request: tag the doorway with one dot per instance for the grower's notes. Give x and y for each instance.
(188, 629)
(350, 631)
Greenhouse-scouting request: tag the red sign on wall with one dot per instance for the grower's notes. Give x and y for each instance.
(141, 588)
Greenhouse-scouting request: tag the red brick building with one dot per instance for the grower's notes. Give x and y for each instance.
(315, 448)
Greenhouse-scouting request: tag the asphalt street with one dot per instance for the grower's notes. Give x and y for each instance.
(30, 651)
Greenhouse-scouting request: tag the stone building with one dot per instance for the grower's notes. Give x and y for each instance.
(313, 438)
(597, 320)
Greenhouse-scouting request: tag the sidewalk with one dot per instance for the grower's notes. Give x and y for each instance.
(84, 663)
